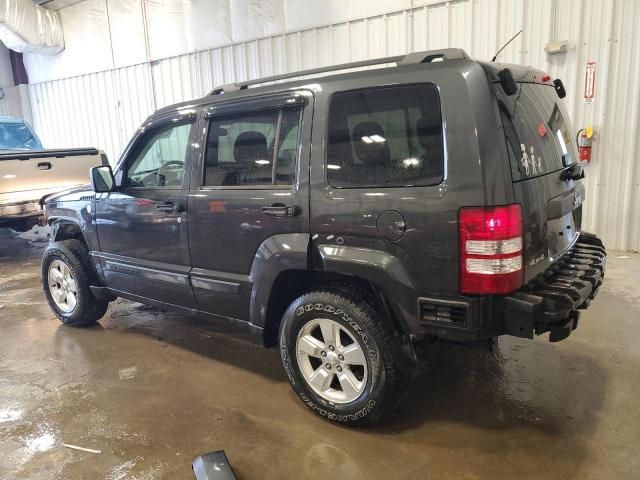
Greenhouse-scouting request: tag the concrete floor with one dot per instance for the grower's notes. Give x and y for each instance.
(152, 390)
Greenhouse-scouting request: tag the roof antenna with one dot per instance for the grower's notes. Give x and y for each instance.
(505, 45)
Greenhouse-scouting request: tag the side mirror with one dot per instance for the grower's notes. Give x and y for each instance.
(102, 179)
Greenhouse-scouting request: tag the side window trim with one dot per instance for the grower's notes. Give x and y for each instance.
(211, 114)
(138, 144)
(276, 147)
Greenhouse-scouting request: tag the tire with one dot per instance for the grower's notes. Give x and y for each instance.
(72, 254)
(358, 322)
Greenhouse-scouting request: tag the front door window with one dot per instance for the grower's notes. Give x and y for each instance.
(160, 162)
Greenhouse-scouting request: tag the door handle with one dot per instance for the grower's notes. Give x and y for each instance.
(44, 166)
(171, 207)
(279, 210)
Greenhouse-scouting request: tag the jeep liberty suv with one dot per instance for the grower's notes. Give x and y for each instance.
(343, 218)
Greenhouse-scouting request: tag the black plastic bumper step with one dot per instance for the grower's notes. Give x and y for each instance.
(551, 303)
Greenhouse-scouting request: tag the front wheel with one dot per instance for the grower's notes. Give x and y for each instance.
(66, 278)
(338, 358)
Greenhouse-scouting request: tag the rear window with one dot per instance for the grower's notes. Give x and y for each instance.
(17, 136)
(385, 137)
(538, 136)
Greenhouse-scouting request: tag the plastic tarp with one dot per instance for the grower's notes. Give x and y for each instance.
(87, 44)
(301, 14)
(256, 18)
(180, 26)
(25, 27)
(101, 35)
(128, 42)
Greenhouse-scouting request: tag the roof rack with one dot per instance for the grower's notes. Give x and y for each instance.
(409, 59)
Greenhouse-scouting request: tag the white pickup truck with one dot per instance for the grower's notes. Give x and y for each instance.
(27, 177)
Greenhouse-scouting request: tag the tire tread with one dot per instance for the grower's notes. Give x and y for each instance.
(89, 309)
(361, 303)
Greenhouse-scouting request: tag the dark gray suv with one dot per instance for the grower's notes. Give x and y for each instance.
(343, 218)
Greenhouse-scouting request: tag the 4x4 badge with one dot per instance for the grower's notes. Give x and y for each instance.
(535, 261)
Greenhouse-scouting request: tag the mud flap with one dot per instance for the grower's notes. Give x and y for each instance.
(213, 466)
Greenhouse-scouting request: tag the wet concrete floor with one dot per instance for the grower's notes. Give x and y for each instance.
(153, 390)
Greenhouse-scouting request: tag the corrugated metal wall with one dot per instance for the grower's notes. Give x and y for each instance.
(10, 103)
(103, 109)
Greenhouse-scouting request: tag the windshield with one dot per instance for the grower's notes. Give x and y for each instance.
(538, 135)
(17, 136)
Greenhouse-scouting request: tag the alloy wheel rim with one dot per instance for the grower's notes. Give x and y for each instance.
(331, 361)
(62, 286)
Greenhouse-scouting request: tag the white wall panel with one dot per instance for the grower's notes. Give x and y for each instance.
(6, 77)
(11, 104)
(134, 102)
(437, 26)
(98, 110)
(103, 109)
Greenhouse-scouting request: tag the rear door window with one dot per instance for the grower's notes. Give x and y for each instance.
(385, 137)
(537, 134)
(240, 149)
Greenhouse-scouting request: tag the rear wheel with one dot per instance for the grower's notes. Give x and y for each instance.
(66, 278)
(337, 357)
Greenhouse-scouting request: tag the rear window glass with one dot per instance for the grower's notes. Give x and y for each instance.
(538, 136)
(385, 137)
(17, 136)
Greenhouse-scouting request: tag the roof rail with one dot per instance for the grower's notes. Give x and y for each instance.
(409, 59)
(434, 55)
(228, 88)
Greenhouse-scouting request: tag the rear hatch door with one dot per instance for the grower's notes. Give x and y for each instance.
(540, 143)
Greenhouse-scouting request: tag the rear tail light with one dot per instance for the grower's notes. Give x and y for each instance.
(490, 249)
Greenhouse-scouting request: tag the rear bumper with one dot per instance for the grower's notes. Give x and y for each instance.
(552, 302)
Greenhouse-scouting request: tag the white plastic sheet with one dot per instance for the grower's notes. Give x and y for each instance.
(256, 18)
(301, 14)
(87, 44)
(127, 32)
(181, 26)
(25, 27)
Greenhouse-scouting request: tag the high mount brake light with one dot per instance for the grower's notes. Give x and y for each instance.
(490, 249)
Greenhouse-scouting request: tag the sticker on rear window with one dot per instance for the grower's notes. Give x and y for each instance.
(530, 164)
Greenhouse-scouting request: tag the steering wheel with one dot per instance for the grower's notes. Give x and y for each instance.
(165, 168)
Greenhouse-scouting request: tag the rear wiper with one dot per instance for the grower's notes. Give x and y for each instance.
(574, 171)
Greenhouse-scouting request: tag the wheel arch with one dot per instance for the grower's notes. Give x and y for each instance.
(290, 284)
(67, 228)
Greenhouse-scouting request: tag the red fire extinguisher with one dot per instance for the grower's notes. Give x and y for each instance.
(584, 139)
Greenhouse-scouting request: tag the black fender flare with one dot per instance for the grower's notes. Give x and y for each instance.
(56, 222)
(275, 255)
(384, 270)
